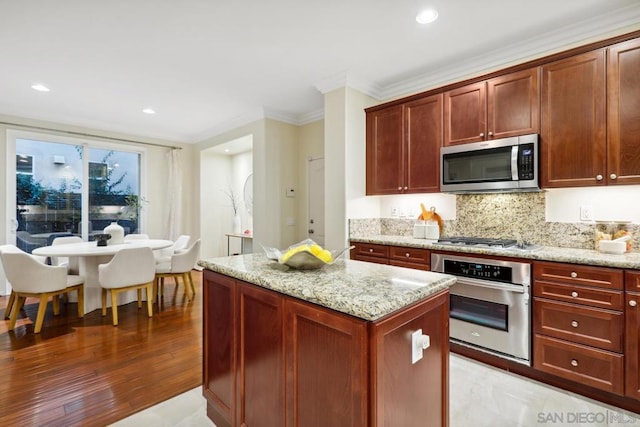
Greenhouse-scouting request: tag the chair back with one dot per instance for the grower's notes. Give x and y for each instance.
(72, 263)
(181, 243)
(185, 261)
(130, 237)
(27, 274)
(130, 266)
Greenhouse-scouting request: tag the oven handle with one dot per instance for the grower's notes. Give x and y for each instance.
(520, 289)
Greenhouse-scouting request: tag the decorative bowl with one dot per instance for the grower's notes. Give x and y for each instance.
(303, 257)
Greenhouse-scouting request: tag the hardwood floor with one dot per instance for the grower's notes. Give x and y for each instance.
(86, 372)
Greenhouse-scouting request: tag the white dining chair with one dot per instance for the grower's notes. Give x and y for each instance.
(129, 269)
(12, 296)
(72, 263)
(179, 266)
(136, 236)
(181, 244)
(30, 278)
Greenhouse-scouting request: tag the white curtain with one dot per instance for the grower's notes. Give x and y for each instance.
(174, 201)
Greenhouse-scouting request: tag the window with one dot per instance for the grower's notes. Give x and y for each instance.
(62, 186)
(24, 164)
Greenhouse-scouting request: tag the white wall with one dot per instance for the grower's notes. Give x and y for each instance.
(614, 202)
(311, 145)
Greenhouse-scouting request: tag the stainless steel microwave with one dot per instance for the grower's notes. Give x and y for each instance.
(501, 165)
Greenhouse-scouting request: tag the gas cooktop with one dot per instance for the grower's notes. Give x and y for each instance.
(485, 242)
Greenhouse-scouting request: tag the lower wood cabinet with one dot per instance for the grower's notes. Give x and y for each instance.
(632, 339)
(574, 336)
(272, 360)
(400, 256)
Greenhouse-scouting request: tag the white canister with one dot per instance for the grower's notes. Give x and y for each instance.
(116, 232)
(418, 230)
(431, 231)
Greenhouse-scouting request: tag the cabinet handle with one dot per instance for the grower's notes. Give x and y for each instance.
(613, 176)
(574, 274)
(406, 188)
(370, 250)
(598, 177)
(481, 134)
(574, 324)
(490, 133)
(574, 362)
(407, 254)
(399, 188)
(574, 294)
(632, 303)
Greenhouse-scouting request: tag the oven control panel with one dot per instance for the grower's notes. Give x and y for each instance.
(477, 270)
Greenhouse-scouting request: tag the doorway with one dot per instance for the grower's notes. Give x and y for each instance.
(315, 180)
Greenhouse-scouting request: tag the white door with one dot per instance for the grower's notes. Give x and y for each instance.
(315, 224)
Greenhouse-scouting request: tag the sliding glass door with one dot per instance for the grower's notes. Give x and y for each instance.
(69, 187)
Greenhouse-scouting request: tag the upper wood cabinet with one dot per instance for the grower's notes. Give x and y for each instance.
(573, 136)
(497, 108)
(623, 119)
(403, 147)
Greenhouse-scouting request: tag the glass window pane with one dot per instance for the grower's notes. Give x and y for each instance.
(114, 189)
(48, 191)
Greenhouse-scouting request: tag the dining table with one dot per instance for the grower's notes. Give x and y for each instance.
(90, 256)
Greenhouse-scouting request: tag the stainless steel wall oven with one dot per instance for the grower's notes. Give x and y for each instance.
(490, 304)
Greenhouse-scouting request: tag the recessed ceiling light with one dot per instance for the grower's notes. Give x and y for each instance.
(226, 150)
(40, 87)
(149, 111)
(427, 16)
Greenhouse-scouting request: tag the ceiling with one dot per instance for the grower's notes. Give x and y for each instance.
(206, 66)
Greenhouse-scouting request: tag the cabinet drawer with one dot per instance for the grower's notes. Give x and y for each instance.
(594, 297)
(414, 255)
(632, 281)
(591, 326)
(579, 274)
(373, 259)
(585, 365)
(371, 250)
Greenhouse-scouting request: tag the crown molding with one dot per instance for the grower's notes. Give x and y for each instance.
(343, 79)
(597, 28)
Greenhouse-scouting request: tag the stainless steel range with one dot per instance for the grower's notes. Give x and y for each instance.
(483, 242)
(489, 308)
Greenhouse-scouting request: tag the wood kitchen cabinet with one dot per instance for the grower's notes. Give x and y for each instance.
(574, 337)
(274, 360)
(501, 107)
(400, 256)
(403, 147)
(623, 108)
(632, 338)
(573, 121)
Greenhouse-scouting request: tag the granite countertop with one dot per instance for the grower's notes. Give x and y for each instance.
(629, 260)
(365, 290)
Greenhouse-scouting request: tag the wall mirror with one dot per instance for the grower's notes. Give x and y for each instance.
(248, 193)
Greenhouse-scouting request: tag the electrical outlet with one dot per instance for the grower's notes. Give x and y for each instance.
(586, 213)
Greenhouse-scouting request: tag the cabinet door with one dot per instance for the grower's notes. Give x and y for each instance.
(513, 104)
(260, 388)
(632, 345)
(326, 368)
(385, 156)
(623, 122)
(423, 120)
(573, 137)
(411, 394)
(219, 344)
(465, 114)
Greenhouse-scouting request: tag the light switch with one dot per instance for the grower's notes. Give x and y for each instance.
(419, 343)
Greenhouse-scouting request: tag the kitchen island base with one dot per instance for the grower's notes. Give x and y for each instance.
(274, 360)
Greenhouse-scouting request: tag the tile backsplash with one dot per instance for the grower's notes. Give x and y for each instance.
(506, 216)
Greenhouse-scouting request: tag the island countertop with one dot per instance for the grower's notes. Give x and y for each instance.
(361, 289)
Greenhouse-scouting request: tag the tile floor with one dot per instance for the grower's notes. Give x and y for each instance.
(481, 396)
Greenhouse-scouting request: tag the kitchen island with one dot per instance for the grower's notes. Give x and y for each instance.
(325, 347)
